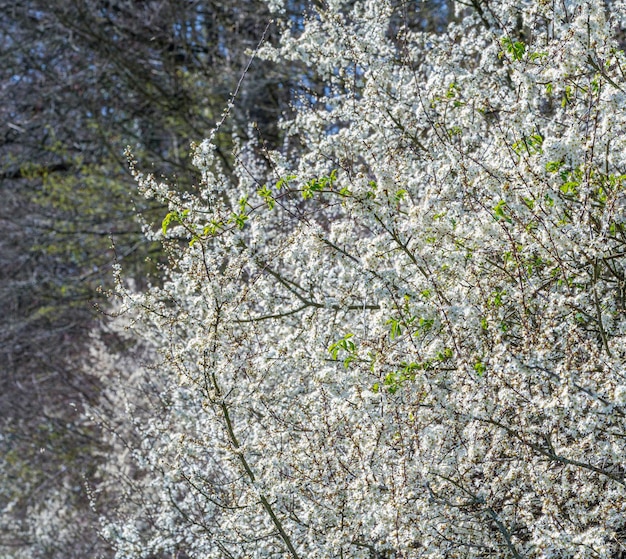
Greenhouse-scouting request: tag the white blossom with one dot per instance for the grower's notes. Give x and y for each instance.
(409, 342)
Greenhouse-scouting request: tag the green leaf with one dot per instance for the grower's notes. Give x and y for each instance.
(400, 194)
(570, 188)
(396, 328)
(173, 216)
(480, 368)
(567, 96)
(452, 90)
(167, 220)
(284, 182)
(344, 344)
(554, 166)
(534, 56)
(499, 212)
(515, 48)
(265, 193)
(496, 298)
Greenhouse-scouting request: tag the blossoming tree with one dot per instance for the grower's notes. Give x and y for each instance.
(406, 339)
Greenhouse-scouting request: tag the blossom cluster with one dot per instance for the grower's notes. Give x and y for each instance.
(407, 338)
